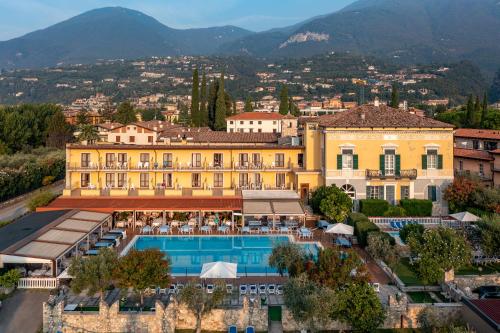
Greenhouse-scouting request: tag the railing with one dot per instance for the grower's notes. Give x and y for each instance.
(380, 174)
(38, 283)
(346, 173)
(386, 221)
(467, 173)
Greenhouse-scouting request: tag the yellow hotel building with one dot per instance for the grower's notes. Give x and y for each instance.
(369, 152)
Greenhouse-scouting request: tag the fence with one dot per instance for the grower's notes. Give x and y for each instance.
(38, 283)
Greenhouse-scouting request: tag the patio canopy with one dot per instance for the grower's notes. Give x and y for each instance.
(219, 270)
(340, 228)
(273, 202)
(465, 217)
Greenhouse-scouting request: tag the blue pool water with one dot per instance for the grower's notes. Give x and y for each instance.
(395, 235)
(188, 254)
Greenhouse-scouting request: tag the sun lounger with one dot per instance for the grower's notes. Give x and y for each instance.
(279, 289)
(262, 289)
(210, 288)
(253, 289)
(398, 225)
(265, 230)
(284, 230)
(223, 228)
(393, 225)
(103, 243)
(206, 229)
(250, 329)
(92, 252)
(180, 286)
(271, 289)
(243, 289)
(165, 229)
(245, 230)
(232, 329)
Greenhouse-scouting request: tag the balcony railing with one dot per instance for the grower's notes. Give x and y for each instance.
(380, 174)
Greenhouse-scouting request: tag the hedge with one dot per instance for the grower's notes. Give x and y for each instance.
(417, 207)
(362, 227)
(374, 207)
(391, 239)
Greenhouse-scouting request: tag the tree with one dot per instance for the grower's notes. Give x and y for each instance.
(309, 303)
(358, 305)
(336, 205)
(107, 112)
(94, 274)
(59, 132)
(212, 102)
(293, 108)
(125, 114)
(203, 100)
(417, 230)
(141, 269)
(88, 133)
(287, 257)
(490, 234)
(438, 251)
(469, 115)
(395, 96)
(379, 247)
(248, 104)
(10, 278)
(284, 100)
(152, 114)
(200, 302)
(477, 112)
(459, 194)
(484, 111)
(220, 107)
(195, 99)
(184, 117)
(82, 118)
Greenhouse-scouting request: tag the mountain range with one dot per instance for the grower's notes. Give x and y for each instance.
(409, 31)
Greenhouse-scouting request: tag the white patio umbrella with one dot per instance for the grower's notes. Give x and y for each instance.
(340, 228)
(219, 270)
(465, 217)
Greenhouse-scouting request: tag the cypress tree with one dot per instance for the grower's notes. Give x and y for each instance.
(220, 107)
(294, 109)
(234, 108)
(484, 110)
(477, 112)
(469, 114)
(203, 100)
(195, 99)
(394, 96)
(229, 104)
(184, 118)
(284, 100)
(248, 104)
(212, 100)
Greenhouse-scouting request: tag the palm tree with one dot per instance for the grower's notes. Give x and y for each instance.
(88, 133)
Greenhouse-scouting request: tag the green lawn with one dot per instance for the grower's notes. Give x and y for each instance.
(479, 270)
(406, 273)
(420, 297)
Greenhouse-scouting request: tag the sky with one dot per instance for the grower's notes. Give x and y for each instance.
(18, 17)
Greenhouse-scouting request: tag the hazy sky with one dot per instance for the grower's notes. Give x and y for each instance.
(18, 17)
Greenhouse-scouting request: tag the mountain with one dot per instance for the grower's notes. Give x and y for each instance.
(110, 33)
(406, 30)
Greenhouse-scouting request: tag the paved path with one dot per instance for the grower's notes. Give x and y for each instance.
(275, 327)
(22, 312)
(376, 273)
(18, 208)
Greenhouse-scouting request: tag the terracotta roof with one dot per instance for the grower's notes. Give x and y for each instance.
(477, 133)
(256, 116)
(108, 205)
(109, 126)
(176, 131)
(379, 116)
(472, 154)
(225, 137)
(159, 124)
(489, 308)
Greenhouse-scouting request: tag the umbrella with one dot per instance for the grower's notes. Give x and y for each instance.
(218, 270)
(340, 228)
(465, 217)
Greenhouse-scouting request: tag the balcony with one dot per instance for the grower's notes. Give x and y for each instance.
(380, 174)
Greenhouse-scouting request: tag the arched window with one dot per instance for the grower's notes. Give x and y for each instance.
(349, 190)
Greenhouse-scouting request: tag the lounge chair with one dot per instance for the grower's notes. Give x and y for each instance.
(284, 230)
(172, 289)
(206, 229)
(210, 288)
(165, 229)
(279, 289)
(271, 289)
(253, 289)
(146, 229)
(162, 291)
(232, 329)
(398, 225)
(243, 289)
(250, 329)
(223, 229)
(186, 229)
(245, 230)
(393, 225)
(229, 288)
(265, 230)
(262, 289)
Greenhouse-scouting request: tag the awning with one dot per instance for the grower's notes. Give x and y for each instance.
(465, 217)
(287, 208)
(340, 228)
(257, 208)
(219, 270)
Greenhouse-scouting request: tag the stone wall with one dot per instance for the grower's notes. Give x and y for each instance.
(470, 282)
(408, 318)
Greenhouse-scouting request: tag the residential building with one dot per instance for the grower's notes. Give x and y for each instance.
(262, 122)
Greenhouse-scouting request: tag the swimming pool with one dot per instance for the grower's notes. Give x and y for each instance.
(395, 235)
(187, 254)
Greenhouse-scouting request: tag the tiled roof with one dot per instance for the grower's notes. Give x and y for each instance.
(109, 126)
(489, 308)
(225, 137)
(158, 124)
(477, 133)
(103, 204)
(256, 116)
(472, 154)
(379, 116)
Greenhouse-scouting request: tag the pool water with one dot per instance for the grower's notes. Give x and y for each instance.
(188, 254)
(395, 235)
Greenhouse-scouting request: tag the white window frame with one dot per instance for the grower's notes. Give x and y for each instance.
(347, 159)
(390, 161)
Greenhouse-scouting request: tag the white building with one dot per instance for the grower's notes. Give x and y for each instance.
(261, 122)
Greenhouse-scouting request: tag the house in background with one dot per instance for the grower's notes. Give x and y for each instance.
(262, 122)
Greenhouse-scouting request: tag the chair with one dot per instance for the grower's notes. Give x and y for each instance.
(284, 230)
(393, 225)
(210, 288)
(229, 288)
(245, 230)
(223, 228)
(163, 291)
(206, 229)
(271, 289)
(279, 289)
(243, 289)
(250, 329)
(265, 230)
(198, 286)
(232, 329)
(165, 229)
(180, 286)
(146, 229)
(262, 289)
(253, 289)
(172, 289)
(146, 165)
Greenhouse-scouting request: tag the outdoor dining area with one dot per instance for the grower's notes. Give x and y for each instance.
(340, 233)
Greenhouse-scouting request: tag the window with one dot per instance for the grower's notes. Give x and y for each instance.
(274, 130)
(256, 160)
(475, 144)
(280, 180)
(117, 138)
(259, 122)
(257, 180)
(375, 192)
(150, 139)
(432, 193)
(131, 139)
(196, 160)
(390, 162)
(432, 159)
(405, 192)
(279, 160)
(167, 180)
(259, 130)
(144, 157)
(243, 179)
(243, 158)
(231, 122)
(251, 122)
(461, 165)
(242, 122)
(481, 169)
(250, 130)
(122, 179)
(349, 190)
(218, 160)
(144, 180)
(196, 180)
(218, 179)
(110, 180)
(300, 160)
(85, 160)
(231, 130)
(347, 159)
(122, 158)
(110, 160)
(85, 179)
(167, 160)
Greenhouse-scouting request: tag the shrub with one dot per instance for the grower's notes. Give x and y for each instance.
(362, 229)
(395, 211)
(40, 200)
(356, 217)
(374, 207)
(9, 279)
(408, 229)
(47, 180)
(417, 207)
